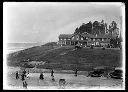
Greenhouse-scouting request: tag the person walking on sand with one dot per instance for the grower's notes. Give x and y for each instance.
(25, 84)
(24, 72)
(17, 75)
(52, 72)
(76, 72)
(22, 77)
(41, 76)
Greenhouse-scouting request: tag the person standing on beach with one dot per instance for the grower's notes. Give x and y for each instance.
(17, 75)
(76, 72)
(24, 73)
(52, 72)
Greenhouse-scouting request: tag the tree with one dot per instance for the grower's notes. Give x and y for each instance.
(115, 42)
(76, 31)
(96, 28)
(102, 29)
(89, 27)
(112, 28)
(114, 25)
(106, 28)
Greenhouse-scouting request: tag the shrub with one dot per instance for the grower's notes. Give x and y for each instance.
(103, 48)
(91, 47)
(26, 65)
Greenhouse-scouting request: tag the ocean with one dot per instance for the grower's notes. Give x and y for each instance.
(13, 47)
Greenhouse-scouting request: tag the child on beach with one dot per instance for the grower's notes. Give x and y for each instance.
(41, 76)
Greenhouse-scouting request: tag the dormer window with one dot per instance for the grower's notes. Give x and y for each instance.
(102, 39)
(89, 39)
(77, 38)
(72, 38)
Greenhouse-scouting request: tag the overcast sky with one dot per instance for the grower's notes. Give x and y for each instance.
(43, 22)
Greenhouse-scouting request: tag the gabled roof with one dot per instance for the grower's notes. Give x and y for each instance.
(65, 36)
(102, 36)
(94, 36)
(85, 34)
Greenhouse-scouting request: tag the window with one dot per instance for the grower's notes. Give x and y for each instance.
(77, 38)
(97, 43)
(89, 39)
(81, 38)
(105, 39)
(72, 38)
(65, 42)
(102, 39)
(93, 39)
(98, 39)
(60, 42)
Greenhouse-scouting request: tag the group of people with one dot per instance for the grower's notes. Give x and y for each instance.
(23, 76)
(41, 77)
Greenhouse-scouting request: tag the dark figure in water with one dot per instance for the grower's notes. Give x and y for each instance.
(52, 72)
(17, 75)
(76, 72)
(25, 84)
(22, 77)
(41, 76)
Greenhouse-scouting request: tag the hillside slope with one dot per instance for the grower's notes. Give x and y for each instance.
(67, 55)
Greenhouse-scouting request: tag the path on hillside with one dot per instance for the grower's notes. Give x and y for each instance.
(54, 49)
(65, 52)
